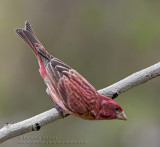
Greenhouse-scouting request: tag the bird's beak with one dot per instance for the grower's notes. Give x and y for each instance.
(121, 116)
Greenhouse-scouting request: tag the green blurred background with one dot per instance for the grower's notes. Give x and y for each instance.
(105, 41)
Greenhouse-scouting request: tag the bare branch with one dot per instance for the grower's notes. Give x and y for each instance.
(32, 124)
(35, 123)
(131, 81)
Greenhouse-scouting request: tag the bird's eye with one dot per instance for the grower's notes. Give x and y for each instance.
(116, 108)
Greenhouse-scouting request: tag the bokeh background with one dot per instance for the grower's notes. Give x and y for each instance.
(105, 41)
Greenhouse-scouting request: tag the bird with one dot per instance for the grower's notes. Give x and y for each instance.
(70, 91)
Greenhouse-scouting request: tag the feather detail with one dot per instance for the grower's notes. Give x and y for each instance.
(69, 90)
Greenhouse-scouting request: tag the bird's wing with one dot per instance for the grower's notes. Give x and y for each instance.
(76, 93)
(81, 95)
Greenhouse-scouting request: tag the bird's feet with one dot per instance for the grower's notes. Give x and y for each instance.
(60, 111)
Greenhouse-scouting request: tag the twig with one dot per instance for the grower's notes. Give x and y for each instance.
(35, 123)
(32, 124)
(131, 81)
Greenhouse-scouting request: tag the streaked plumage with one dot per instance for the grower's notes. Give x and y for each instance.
(73, 93)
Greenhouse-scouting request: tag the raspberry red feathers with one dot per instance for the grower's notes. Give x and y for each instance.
(69, 90)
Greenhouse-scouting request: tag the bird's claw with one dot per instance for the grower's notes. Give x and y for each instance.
(60, 111)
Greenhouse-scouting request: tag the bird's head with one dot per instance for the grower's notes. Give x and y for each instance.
(109, 109)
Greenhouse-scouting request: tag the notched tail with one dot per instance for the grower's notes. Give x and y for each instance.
(28, 35)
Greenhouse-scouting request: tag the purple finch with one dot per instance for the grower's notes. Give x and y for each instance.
(69, 90)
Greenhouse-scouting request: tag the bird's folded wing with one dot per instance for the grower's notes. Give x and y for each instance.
(76, 93)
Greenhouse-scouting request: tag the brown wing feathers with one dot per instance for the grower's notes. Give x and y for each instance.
(57, 68)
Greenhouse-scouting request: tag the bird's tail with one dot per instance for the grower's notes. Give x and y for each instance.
(28, 35)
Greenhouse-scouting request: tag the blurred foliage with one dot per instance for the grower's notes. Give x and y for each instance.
(105, 41)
